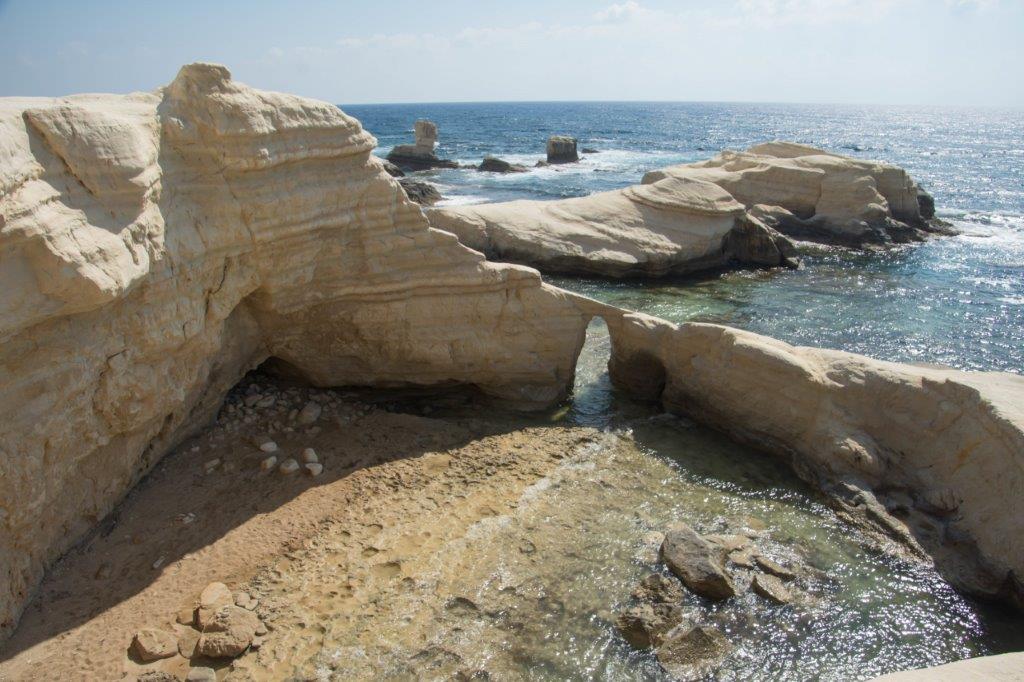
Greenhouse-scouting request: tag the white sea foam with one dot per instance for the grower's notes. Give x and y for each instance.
(462, 200)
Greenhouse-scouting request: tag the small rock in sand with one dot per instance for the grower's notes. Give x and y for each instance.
(309, 455)
(213, 597)
(157, 676)
(152, 645)
(268, 463)
(771, 588)
(187, 643)
(314, 469)
(310, 413)
(201, 674)
(211, 465)
(229, 632)
(288, 467)
(268, 446)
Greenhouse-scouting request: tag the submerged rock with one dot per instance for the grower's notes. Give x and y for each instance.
(694, 653)
(771, 588)
(645, 625)
(658, 588)
(774, 568)
(695, 562)
(562, 149)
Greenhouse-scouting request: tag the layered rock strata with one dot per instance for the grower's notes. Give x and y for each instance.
(155, 246)
(941, 449)
(814, 195)
(676, 226)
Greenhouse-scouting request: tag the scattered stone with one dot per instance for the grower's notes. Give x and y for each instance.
(201, 674)
(309, 455)
(211, 599)
(288, 467)
(268, 401)
(771, 588)
(743, 558)
(774, 568)
(693, 560)
(693, 654)
(228, 633)
(646, 625)
(152, 645)
(314, 469)
(310, 413)
(241, 599)
(261, 627)
(187, 643)
(492, 164)
(211, 465)
(159, 562)
(187, 519)
(186, 617)
(268, 463)
(268, 446)
(658, 588)
(562, 149)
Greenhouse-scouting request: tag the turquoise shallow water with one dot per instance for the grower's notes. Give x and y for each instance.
(955, 301)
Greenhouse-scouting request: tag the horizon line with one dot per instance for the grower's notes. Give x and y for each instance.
(684, 101)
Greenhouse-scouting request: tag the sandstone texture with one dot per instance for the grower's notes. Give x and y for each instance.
(156, 246)
(1001, 668)
(951, 442)
(814, 195)
(676, 226)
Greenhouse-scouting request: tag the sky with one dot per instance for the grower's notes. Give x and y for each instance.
(931, 52)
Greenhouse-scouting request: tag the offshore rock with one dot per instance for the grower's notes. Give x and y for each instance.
(562, 149)
(493, 164)
(822, 196)
(156, 246)
(673, 227)
(423, 193)
(421, 155)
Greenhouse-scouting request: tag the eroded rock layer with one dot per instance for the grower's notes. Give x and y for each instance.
(676, 226)
(155, 246)
(941, 449)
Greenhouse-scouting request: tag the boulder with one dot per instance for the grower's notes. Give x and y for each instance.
(774, 568)
(492, 164)
(696, 563)
(694, 653)
(423, 193)
(152, 645)
(229, 633)
(562, 149)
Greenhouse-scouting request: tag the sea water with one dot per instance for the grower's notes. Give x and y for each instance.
(956, 301)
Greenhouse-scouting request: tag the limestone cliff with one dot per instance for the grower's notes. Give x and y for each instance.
(155, 246)
(943, 449)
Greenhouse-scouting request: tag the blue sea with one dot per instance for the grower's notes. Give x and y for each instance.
(955, 301)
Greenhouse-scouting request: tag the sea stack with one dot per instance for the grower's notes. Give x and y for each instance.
(421, 155)
(562, 149)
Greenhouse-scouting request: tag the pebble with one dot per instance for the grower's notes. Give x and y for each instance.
(268, 446)
(211, 465)
(310, 413)
(309, 455)
(288, 467)
(269, 463)
(314, 469)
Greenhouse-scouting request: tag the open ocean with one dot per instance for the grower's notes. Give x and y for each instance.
(954, 301)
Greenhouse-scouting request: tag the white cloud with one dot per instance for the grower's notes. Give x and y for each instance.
(619, 13)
